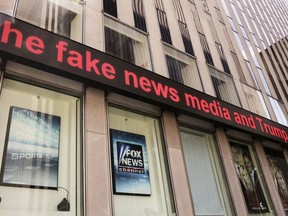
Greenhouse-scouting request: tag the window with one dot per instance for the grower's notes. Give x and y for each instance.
(182, 68)
(126, 43)
(40, 151)
(147, 192)
(279, 170)
(163, 23)
(255, 101)
(110, 7)
(224, 86)
(279, 110)
(139, 17)
(207, 183)
(238, 66)
(183, 27)
(250, 178)
(206, 50)
(223, 58)
(61, 17)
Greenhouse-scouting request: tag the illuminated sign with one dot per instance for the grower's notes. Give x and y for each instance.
(47, 51)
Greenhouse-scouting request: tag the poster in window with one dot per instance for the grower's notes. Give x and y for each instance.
(249, 179)
(31, 151)
(130, 163)
(279, 171)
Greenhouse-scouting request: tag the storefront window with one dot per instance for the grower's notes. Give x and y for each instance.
(126, 43)
(39, 152)
(140, 181)
(250, 179)
(279, 171)
(206, 180)
(63, 17)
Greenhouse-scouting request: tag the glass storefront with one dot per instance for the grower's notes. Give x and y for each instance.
(140, 178)
(207, 182)
(251, 179)
(279, 171)
(39, 151)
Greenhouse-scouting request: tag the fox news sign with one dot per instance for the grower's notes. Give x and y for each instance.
(130, 158)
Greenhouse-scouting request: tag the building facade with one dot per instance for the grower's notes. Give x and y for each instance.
(147, 108)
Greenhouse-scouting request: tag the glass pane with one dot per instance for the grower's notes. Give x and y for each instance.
(255, 101)
(280, 111)
(279, 171)
(204, 174)
(182, 68)
(127, 44)
(140, 180)
(249, 178)
(63, 17)
(39, 160)
(224, 87)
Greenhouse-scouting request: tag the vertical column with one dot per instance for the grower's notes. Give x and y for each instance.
(269, 179)
(178, 171)
(232, 177)
(97, 157)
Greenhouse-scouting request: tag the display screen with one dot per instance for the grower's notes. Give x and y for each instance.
(31, 149)
(130, 163)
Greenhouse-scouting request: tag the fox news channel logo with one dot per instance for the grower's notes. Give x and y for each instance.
(130, 158)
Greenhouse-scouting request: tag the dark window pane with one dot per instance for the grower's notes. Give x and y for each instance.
(138, 13)
(175, 68)
(164, 29)
(206, 49)
(119, 45)
(110, 7)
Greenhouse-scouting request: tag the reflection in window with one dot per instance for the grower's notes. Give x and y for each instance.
(60, 17)
(279, 170)
(224, 86)
(223, 58)
(250, 178)
(204, 173)
(163, 22)
(280, 111)
(182, 68)
(255, 101)
(126, 43)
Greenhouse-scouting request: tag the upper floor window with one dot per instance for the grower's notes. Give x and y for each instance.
(110, 7)
(183, 27)
(139, 17)
(126, 43)
(60, 17)
(224, 86)
(163, 23)
(182, 68)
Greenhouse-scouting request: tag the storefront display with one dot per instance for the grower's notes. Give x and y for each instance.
(38, 142)
(249, 178)
(32, 149)
(279, 171)
(137, 149)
